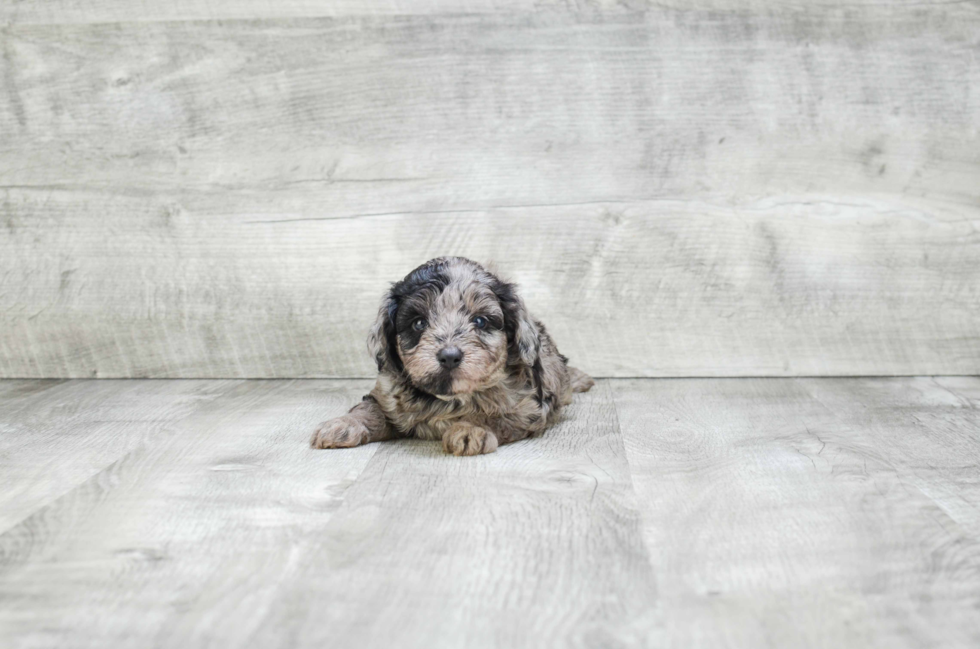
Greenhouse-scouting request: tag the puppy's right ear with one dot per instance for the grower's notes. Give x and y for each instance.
(522, 334)
(383, 341)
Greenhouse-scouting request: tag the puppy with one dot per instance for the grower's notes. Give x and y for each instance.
(461, 360)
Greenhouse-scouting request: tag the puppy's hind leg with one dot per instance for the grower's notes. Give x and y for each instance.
(364, 423)
(581, 382)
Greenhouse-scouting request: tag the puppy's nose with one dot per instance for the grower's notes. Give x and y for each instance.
(450, 357)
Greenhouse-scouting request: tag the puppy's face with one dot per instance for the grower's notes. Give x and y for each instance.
(449, 327)
(451, 341)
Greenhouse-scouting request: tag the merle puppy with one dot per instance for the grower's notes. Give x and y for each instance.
(461, 360)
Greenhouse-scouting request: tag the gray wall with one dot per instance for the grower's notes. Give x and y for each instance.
(721, 188)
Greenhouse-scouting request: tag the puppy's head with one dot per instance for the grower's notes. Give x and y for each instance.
(452, 327)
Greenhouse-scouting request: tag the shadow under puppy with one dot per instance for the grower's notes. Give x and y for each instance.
(461, 360)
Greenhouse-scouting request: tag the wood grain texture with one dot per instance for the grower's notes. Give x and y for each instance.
(111, 11)
(713, 190)
(535, 545)
(810, 513)
(186, 539)
(659, 288)
(56, 435)
(220, 534)
(830, 513)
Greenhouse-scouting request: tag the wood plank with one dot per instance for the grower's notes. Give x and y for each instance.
(654, 288)
(110, 11)
(537, 544)
(709, 191)
(388, 114)
(233, 532)
(196, 525)
(795, 512)
(56, 435)
(60, 12)
(928, 428)
(821, 512)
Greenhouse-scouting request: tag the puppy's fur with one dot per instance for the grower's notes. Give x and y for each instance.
(461, 360)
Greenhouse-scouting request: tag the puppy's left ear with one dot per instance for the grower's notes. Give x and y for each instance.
(522, 334)
(383, 341)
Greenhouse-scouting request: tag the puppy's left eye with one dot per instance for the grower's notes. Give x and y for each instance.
(480, 322)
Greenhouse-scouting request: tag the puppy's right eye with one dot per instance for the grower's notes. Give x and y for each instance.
(418, 324)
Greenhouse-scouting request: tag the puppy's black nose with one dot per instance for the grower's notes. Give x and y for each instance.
(450, 357)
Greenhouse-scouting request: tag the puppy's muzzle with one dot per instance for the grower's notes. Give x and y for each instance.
(450, 357)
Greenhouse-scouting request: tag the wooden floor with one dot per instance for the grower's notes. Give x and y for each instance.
(686, 513)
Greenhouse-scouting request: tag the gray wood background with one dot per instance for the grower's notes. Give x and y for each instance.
(716, 188)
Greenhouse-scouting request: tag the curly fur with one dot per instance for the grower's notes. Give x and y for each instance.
(510, 383)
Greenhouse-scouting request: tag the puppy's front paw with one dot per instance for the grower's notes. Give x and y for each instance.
(468, 439)
(342, 432)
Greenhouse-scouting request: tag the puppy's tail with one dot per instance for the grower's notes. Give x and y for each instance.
(580, 381)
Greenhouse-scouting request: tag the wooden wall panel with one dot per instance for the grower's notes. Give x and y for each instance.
(47, 12)
(723, 190)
